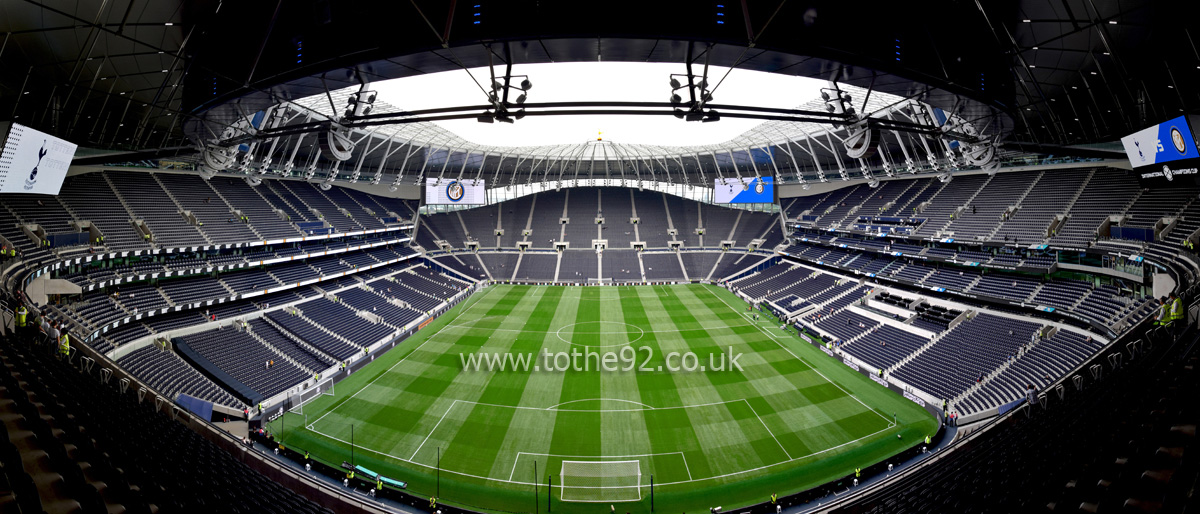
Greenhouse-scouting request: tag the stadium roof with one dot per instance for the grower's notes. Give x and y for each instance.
(154, 77)
(546, 140)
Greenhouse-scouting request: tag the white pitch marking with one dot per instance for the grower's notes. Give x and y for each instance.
(434, 429)
(381, 375)
(768, 429)
(809, 364)
(553, 407)
(311, 428)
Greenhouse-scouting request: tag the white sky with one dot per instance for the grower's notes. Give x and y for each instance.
(598, 81)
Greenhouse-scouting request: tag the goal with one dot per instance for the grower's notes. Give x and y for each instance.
(601, 481)
(302, 398)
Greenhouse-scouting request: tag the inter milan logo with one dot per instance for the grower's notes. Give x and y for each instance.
(759, 187)
(1167, 173)
(1177, 140)
(455, 191)
(33, 174)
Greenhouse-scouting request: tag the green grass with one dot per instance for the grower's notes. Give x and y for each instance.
(793, 418)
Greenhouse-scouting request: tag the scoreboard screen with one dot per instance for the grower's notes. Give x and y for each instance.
(451, 191)
(1164, 153)
(744, 190)
(31, 161)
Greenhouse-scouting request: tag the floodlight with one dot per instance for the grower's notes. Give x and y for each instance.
(711, 116)
(675, 99)
(519, 114)
(521, 99)
(526, 85)
(679, 113)
(486, 117)
(675, 83)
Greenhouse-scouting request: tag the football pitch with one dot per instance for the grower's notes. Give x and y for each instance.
(785, 418)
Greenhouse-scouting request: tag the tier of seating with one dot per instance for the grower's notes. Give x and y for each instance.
(1103, 305)
(308, 358)
(1108, 192)
(245, 359)
(846, 325)
(579, 266)
(661, 266)
(343, 321)
(965, 354)
(423, 289)
(1120, 442)
(170, 375)
(366, 301)
(980, 218)
(183, 209)
(541, 213)
(313, 335)
(622, 266)
(69, 443)
(885, 346)
(466, 265)
(1016, 206)
(1038, 366)
(1051, 196)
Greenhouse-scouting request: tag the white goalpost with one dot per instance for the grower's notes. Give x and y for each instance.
(601, 481)
(323, 388)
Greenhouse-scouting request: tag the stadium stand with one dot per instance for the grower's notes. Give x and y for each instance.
(100, 450)
(245, 359)
(982, 223)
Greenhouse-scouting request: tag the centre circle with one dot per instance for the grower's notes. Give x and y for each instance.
(601, 328)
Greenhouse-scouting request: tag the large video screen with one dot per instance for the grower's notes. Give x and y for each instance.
(744, 190)
(33, 162)
(1168, 141)
(450, 191)
(1163, 154)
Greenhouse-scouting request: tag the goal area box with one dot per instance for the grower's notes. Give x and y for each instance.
(302, 398)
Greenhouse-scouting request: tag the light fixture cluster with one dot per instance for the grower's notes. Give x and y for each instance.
(837, 101)
(501, 106)
(699, 94)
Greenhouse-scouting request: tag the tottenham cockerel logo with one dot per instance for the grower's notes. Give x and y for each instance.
(455, 191)
(32, 181)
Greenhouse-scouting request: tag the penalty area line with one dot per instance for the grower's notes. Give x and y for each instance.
(801, 359)
(393, 366)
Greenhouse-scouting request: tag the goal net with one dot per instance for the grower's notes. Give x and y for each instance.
(601, 481)
(302, 398)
